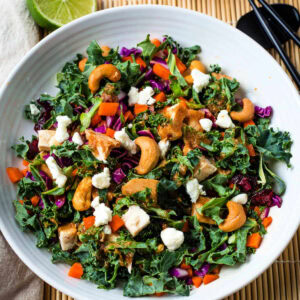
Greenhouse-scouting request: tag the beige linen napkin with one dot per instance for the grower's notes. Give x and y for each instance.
(17, 35)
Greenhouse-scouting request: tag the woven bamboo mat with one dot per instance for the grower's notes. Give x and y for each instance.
(282, 279)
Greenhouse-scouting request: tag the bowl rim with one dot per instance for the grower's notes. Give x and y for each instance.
(60, 286)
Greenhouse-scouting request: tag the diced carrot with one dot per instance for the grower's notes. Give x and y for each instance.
(128, 116)
(125, 58)
(251, 122)
(254, 240)
(180, 65)
(208, 278)
(231, 185)
(185, 227)
(161, 71)
(89, 222)
(156, 42)
(140, 61)
(14, 174)
(76, 270)
(190, 272)
(257, 210)
(197, 281)
(159, 294)
(110, 132)
(222, 134)
(267, 221)
(116, 223)
(96, 119)
(24, 171)
(139, 108)
(160, 97)
(35, 200)
(108, 109)
(217, 269)
(25, 163)
(185, 266)
(251, 150)
(21, 201)
(74, 172)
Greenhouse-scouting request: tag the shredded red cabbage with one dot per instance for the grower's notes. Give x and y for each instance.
(265, 213)
(178, 272)
(146, 133)
(63, 161)
(101, 129)
(47, 179)
(263, 112)
(41, 204)
(30, 176)
(157, 85)
(174, 50)
(209, 115)
(118, 175)
(33, 149)
(149, 74)
(117, 153)
(110, 120)
(276, 200)
(118, 125)
(263, 198)
(189, 281)
(122, 95)
(222, 247)
(45, 114)
(203, 270)
(127, 52)
(60, 201)
(158, 60)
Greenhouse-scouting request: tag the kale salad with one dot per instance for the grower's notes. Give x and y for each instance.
(147, 171)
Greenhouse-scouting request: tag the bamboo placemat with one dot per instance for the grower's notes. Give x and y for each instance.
(282, 279)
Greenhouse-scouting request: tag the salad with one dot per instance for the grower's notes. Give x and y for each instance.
(146, 170)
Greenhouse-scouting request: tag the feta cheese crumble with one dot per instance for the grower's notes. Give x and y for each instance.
(107, 229)
(77, 139)
(56, 172)
(241, 199)
(61, 133)
(224, 120)
(135, 219)
(164, 146)
(125, 141)
(34, 110)
(206, 124)
(172, 238)
(101, 180)
(194, 189)
(143, 97)
(102, 213)
(201, 80)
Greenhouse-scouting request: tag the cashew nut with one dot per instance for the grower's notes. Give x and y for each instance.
(193, 117)
(200, 217)
(176, 113)
(195, 64)
(103, 71)
(82, 197)
(139, 184)
(246, 114)
(236, 217)
(150, 154)
(81, 64)
(105, 50)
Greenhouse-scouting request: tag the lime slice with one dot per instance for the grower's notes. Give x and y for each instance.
(52, 14)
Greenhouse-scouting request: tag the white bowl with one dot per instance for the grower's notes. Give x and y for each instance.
(261, 78)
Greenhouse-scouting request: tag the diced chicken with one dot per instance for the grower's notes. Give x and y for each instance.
(204, 169)
(46, 139)
(101, 144)
(67, 236)
(201, 218)
(193, 117)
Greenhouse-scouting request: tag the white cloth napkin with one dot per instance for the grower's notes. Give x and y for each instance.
(18, 34)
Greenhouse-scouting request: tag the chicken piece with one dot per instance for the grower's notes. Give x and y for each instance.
(46, 139)
(204, 169)
(192, 139)
(200, 217)
(67, 236)
(176, 114)
(193, 117)
(101, 144)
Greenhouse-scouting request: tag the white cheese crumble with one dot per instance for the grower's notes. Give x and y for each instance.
(135, 219)
(77, 139)
(241, 199)
(102, 213)
(34, 110)
(143, 97)
(224, 120)
(101, 180)
(200, 79)
(61, 133)
(194, 189)
(107, 229)
(56, 172)
(172, 238)
(206, 124)
(125, 141)
(164, 146)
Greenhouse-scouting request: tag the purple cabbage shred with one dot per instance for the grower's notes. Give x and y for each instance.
(118, 175)
(263, 112)
(100, 129)
(146, 133)
(60, 201)
(265, 213)
(33, 149)
(127, 52)
(178, 273)
(203, 270)
(276, 200)
(157, 85)
(47, 179)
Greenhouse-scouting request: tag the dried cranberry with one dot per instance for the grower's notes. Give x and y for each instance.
(263, 198)
(245, 183)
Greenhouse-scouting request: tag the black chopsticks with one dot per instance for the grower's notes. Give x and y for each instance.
(274, 40)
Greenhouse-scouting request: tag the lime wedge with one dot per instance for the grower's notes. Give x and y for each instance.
(52, 14)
